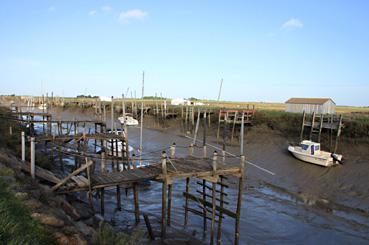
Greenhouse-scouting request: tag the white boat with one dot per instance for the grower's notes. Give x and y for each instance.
(309, 151)
(42, 106)
(128, 120)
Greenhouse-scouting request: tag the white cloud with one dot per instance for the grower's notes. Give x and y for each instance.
(51, 9)
(292, 24)
(92, 12)
(106, 8)
(133, 14)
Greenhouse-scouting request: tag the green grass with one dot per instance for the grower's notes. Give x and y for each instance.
(16, 225)
(106, 235)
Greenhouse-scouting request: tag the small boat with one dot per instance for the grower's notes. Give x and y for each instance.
(129, 120)
(309, 151)
(42, 106)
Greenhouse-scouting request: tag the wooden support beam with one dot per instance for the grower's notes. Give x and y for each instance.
(75, 172)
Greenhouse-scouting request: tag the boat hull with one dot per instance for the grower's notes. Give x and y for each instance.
(324, 159)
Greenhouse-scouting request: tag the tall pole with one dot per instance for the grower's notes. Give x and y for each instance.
(220, 88)
(242, 133)
(142, 106)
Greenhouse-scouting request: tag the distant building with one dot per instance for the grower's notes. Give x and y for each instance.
(310, 105)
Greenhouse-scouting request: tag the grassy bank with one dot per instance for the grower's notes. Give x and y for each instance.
(16, 224)
(356, 127)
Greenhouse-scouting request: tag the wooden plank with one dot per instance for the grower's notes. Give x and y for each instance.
(209, 204)
(75, 172)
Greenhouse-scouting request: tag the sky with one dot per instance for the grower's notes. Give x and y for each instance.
(265, 50)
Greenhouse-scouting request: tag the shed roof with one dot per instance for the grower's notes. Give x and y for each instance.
(316, 101)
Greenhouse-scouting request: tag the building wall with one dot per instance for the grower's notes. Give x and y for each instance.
(327, 108)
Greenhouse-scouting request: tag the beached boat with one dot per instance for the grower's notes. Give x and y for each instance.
(128, 120)
(309, 151)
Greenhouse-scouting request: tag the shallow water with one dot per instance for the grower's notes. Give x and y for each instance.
(301, 203)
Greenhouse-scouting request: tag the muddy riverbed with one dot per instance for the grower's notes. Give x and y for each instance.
(295, 202)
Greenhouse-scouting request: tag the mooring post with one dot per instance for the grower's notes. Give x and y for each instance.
(186, 201)
(33, 158)
(102, 163)
(214, 165)
(170, 187)
(173, 150)
(239, 201)
(137, 208)
(23, 135)
(190, 149)
(204, 139)
(164, 194)
(119, 205)
(220, 219)
(197, 127)
(242, 133)
(112, 116)
(10, 130)
(102, 204)
(219, 119)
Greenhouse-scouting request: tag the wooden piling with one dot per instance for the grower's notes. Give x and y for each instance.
(164, 194)
(23, 143)
(137, 208)
(33, 158)
(102, 202)
(170, 187)
(214, 165)
(239, 201)
(119, 201)
(186, 201)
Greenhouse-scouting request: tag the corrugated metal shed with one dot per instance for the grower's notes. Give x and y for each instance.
(310, 105)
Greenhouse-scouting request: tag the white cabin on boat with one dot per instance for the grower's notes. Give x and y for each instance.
(310, 147)
(310, 105)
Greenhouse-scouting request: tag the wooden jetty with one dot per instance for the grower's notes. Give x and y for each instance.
(316, 123)
(93, 175)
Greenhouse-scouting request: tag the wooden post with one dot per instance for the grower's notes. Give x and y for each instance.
(312, 126)
(204, 139)
(190, 149)
(142, 118)
(33, 158)
(234, 125)
(197, 127)
(339, 129)
(164, 194)
(137, 208)
(112, 116)
(186, 202)
(204, 207)
(239, 201)
(302, 126)
(173, 150)
(242, 133)
(10, 130)
(213, 199)
(102, 162)
(102, 204)
(119, 205)
(219, 120)
(320, 126)
(23, 135)
(169, 203)
(220, 219)
(148, 226)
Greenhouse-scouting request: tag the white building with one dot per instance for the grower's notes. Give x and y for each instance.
(310, 105)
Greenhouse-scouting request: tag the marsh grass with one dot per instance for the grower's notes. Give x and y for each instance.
(16, 225)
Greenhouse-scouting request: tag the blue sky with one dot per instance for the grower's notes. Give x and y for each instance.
(266, 50)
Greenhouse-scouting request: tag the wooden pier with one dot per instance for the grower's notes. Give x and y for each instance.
(95, 171)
